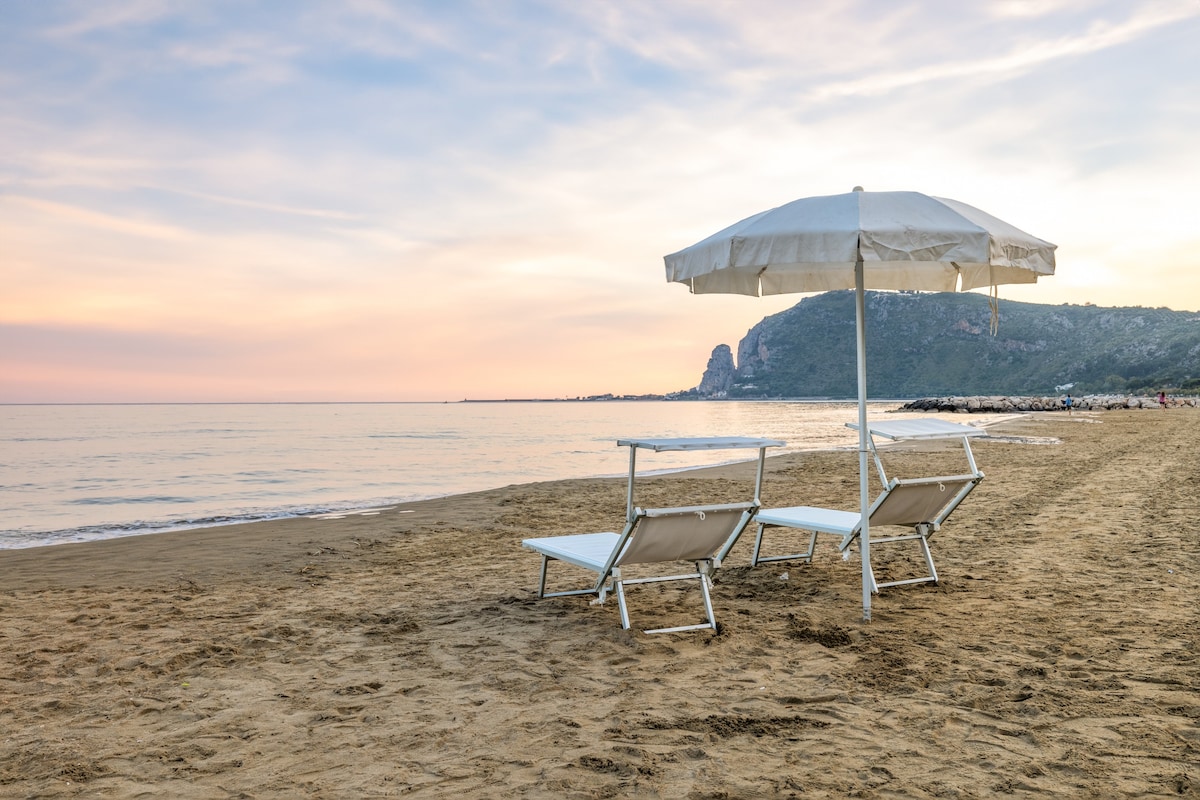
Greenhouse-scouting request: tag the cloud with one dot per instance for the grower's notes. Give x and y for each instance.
(92, 18)
(1022, 56)
(404, 201)
(79, 216)
(271, 207)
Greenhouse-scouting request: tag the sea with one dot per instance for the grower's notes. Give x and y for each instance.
(74, 473)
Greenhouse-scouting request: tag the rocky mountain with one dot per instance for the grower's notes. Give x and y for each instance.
(719, 374)
(941, 343)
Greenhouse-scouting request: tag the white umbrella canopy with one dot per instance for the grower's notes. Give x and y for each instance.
(906, 240)
(862, 240)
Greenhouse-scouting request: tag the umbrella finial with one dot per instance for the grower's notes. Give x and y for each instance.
(858, 188)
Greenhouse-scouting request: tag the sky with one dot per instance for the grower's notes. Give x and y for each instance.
(365, 200)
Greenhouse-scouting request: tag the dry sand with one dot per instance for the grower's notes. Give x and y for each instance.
(406, 653)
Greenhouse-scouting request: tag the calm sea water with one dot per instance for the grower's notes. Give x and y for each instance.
(79, 472)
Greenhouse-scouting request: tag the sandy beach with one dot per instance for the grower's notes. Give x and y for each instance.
(405, 652)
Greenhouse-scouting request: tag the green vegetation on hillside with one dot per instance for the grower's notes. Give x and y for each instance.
(938, 344)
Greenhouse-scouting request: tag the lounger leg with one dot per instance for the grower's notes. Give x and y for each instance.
(924, 540)
(708, 607)
(757, 545)
(621, 605)
(705, 592)
(923, 543)
(756, 558)
(599, 590)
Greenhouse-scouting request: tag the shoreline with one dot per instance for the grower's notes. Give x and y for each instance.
(135, 555)
(397, 653)
(134, 529)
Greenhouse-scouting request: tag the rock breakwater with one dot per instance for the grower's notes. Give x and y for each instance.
(1010, 404)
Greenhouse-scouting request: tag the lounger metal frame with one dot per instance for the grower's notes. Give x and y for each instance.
(893, 507)
(658, 535)
(941, 496)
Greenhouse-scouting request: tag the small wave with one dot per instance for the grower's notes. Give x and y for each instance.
(437, 437)
(118, 501)
(18, 539)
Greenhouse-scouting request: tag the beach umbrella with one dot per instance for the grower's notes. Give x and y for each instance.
(863, 240)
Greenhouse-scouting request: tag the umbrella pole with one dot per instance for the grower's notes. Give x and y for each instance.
(864, 489)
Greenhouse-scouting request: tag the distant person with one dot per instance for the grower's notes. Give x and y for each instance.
(1067, 404)
(1162, 400)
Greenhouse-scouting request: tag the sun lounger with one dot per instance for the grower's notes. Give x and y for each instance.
(702, 535)
(657, 536)
(921, 505)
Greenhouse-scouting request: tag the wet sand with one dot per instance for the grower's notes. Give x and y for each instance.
(405, 652)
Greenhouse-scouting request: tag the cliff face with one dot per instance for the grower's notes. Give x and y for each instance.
(753, 353)
(719, 374)
(939, 343)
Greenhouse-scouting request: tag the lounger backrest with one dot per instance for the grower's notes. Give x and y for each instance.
(683, 534)
(928, 500)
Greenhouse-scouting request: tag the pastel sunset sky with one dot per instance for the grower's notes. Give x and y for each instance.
(368, 200)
